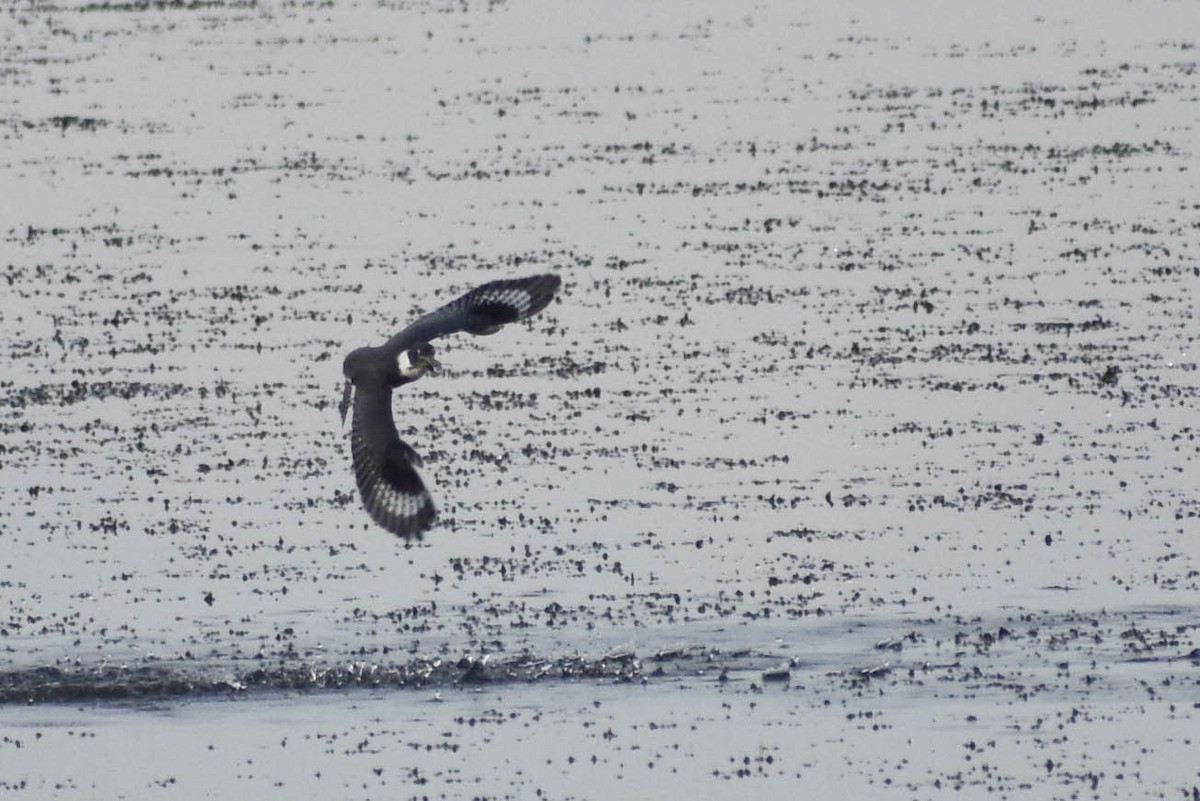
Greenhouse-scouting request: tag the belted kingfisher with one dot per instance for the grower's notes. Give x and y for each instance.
(385, 465)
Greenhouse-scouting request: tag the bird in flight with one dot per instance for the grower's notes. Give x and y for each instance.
(385, 466)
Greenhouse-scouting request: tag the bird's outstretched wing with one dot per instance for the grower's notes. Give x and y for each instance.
(385, 467)
(483, 310)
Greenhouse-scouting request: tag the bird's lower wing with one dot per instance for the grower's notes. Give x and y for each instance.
(385, 468)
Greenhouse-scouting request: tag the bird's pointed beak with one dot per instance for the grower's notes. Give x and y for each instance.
(344, 406)
(435, 366)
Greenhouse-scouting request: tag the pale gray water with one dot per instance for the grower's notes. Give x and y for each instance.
(875, 357)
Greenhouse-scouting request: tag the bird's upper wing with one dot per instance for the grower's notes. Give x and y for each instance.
(385, 467)
(483, 310)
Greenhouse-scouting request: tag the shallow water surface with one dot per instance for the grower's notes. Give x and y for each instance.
(858, 453)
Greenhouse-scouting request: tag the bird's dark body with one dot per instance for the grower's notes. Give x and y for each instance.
(385, 465)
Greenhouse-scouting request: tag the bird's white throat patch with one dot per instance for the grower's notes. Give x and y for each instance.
(408, 369)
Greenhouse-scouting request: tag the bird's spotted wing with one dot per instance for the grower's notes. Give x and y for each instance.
(483, 310)
(385, 467)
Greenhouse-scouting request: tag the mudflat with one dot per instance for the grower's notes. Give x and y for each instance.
(857, 455)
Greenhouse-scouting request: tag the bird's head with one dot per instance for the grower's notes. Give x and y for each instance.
(417, 361)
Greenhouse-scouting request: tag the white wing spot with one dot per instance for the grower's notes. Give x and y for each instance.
(514, 298)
